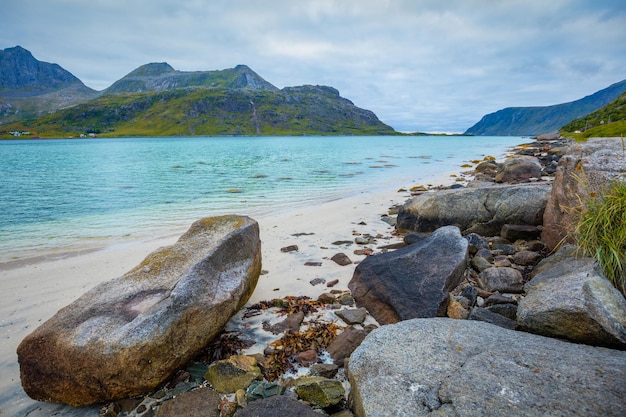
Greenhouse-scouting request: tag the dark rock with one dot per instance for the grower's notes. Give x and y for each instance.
(536, 245)
(341, 259)
(480, 263)
(476, 242)
(345, 343)
(480, 210)
(313, 263)
(346, 300)
(277, 406)
(129, 335)
(502, 261)
(366, 251)
(342, 242)
(327, 298)
(527, 258)
(482, 314)
(497, 298)
(518, 169)
(567, 251)
(504, 249)
(259, 390)
(332, 283)
(414, 281)
(327, 370)
(470, 293)
(199, 402)
(393, 246)
(513, 232)
(292, 248)
(502, 280)
(485, 254)
(307, 358)
(507, 310)
(412, 238)
(353, 316)
(317, 281)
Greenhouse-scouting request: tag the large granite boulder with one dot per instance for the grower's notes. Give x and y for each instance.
(572, 300)
(413, 281)
(584, 171)
(446, 367)
(475, 210)
(518, 169)
(128, 335)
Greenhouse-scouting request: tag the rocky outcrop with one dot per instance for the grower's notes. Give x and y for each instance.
(584, 171)
(475, 210)
(469, 368)
(572, 300)
(128, 335)
(413, 281)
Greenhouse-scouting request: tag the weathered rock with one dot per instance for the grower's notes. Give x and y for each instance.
(236, 372)
(513, 232)
(573, 300)
(587, 168)
(307, 357)
(327, 370)
(341, 259)
(290, 248)
(292, 322)
(469, 368)
(520, 168)
(319, 391)
(488, 316)
(352, 316)
(508, 310)
(476, 243)
(199, 402)
(413, 281)
(277, 406)
(344, 344)
(502, 280)
(480, 210)
(261, 389)
(480, 264)
(566, 251)
(128, 335)
(527, 258)
(456, 310)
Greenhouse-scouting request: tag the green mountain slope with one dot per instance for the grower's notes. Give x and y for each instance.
(609, 121)
(29, 88)
(305, 110)
(522, 121)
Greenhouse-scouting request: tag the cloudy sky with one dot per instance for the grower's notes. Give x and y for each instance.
(420, 65)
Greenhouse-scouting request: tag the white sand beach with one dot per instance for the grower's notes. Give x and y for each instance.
(33, 292)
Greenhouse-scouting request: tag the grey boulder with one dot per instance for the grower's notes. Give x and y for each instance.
(130, 334)
(446, 367)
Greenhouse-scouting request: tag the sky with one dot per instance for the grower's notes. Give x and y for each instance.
(420, 65)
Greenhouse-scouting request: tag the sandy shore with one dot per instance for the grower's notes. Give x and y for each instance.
(33, 292)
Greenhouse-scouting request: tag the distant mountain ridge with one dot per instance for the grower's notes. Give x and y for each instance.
(162, 77)
(531, 121)
(31, 88)
(157, 100)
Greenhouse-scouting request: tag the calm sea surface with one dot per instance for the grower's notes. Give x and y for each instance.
(58, 195)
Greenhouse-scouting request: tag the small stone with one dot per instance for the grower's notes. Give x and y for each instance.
(504, 249)
(456, 310)
(332, 283)
(482, 314)
(319, 391)
(412, 238)
(292, 322)
(470, 293)
(501, 261)
(346, 300)
(501, 279)
(312, 263)
(317, 281)
(480, 263)
(353, 316)
(291, 248)
(236, 372)
(360, 240)
(259, 390)
(342, 242)
(341, 259)
(344, 344)
(485, 254)
(327, 370)
(536, 245)
(507, 310)
(307, 358)
(497, 298)
(527, 258)
(201, 401)
(366, 251)
(327, 298)
(513, 232)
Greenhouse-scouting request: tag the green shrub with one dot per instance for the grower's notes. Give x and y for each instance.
(601, 232)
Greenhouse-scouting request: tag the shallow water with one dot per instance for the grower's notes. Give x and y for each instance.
(61, 195)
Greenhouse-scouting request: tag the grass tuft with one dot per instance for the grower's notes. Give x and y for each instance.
(601, 232)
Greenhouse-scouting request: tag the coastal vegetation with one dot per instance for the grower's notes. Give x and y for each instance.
(609, 121)
(601, 234)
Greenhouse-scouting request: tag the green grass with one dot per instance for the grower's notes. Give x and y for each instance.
(601, 232)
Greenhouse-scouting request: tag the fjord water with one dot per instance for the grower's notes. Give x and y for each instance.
(69, 194)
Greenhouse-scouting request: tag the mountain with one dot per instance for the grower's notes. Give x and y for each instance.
(162, 77)
(609, 121)
(29, 88)
(530, 121)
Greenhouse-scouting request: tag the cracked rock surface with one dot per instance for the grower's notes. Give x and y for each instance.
(467, 368)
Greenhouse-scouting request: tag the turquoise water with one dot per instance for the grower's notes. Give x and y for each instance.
(68, 194)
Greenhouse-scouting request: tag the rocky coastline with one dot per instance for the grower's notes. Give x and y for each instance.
(474, 305)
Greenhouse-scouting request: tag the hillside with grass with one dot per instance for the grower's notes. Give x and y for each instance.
(305, 110)
(609, 121)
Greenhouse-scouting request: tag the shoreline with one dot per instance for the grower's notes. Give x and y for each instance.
(312, 227)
